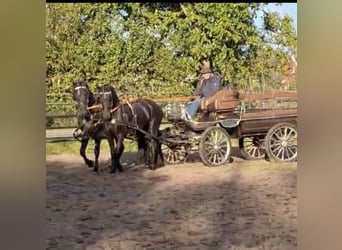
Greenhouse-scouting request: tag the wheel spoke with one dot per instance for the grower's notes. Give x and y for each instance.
(210, 153)
(288, 153)
(294, 151)
(210, 157)
(254, 151)
(276, 143)
(285, 132)
(278, 134)
(279, 152)
(221, 153)
(292, 134)
(208, 142)
(215, 158)
(253, 147)
(276, 149)
(251, 151)
(217, 138)
(223, 142)
(172, 156)
(282, 153)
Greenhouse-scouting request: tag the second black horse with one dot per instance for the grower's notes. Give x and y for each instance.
(119, 120)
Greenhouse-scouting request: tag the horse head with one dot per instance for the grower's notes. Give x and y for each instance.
(108, 98)
(84, 97)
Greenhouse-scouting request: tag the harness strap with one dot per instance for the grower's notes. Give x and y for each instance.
(124, 101)
(97, 106)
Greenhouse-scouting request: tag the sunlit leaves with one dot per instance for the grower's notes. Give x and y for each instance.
(154, 48)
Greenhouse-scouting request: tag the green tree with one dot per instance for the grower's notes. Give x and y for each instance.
(154, 49)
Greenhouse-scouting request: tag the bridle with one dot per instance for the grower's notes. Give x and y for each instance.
(80, 87)
(77, 133)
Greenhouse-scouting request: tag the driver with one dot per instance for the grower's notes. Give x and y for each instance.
(207, 86)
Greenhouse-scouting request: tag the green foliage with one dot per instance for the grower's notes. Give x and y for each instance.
(154, 49)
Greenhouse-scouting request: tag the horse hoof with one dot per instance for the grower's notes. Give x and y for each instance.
(151, 168)
(90, 164)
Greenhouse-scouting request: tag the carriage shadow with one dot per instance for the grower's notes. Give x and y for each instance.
(234, 157)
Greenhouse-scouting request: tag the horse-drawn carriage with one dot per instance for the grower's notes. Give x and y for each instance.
(264, 124)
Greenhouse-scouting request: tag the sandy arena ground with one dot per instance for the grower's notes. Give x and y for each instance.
(242, 205)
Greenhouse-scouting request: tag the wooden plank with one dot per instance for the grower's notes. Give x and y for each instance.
(269, 113)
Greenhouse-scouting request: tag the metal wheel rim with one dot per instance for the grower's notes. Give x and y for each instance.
(216, 147)
(253, 147)
(283, 143)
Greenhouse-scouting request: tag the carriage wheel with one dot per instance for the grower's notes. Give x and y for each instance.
(172, 156)
(252, 148)
(215, 146)
(281, 143)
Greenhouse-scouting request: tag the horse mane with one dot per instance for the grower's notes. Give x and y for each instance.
(92, 98)
(116, 99)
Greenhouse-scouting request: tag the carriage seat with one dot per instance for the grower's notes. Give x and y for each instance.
(224, 100)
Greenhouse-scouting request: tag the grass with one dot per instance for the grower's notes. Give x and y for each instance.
(73, 147)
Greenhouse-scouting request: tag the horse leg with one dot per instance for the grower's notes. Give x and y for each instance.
(157, 154)
(119, 150)
(147, 153)
(155, 146)
(116, 153)
(110, 165)
(97, 153)
(140, 140)
(142, 145)
(152, 154)
(84, 144)
(160, 156)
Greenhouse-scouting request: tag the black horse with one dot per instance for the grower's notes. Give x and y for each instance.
(85, 99)
(121, 119)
